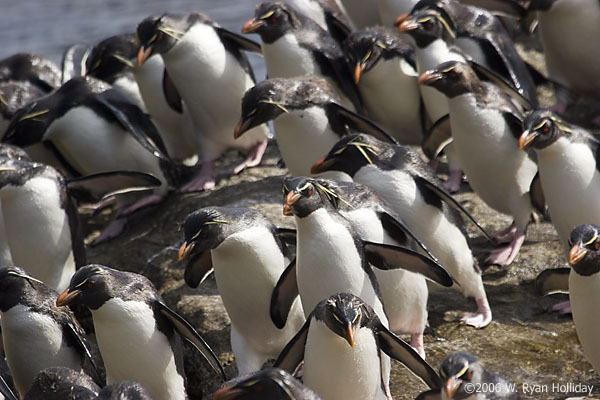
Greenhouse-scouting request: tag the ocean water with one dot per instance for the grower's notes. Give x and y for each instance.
(47, 27)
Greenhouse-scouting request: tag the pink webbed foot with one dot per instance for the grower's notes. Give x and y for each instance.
(205, 179)
(506, 235)
(113, 230)
(253, 158)
(138, 205)
(481, 318)
(454, 180)
(416, 342)
(564, 307)
(506, 255)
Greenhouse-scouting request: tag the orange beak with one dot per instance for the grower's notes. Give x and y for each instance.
(321, 165)
(576, 254)
(428, 77)
(143, 55)
(358, 70)
(526, 138)
(290, 199)
(451, 387)
(227, 393)
(350, 337)
(241, 127)
(400, 19)
(251, 25)
(405, 23)
(67, 297)
(185, 250)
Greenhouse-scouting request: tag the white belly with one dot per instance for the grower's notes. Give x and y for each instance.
(133, 349)
(583, 294)
(129, 88)
(285, 58)
(33, 342)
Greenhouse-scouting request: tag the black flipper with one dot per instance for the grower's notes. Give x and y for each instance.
(389, 222)
(6, 391)
(486, 74)
(284, 294)
(287, 236)
(387, 257)
(536, 194)
(171, 93)
(552, 281)
(338, 29)
(357, 122)
(242, 42)
(438, 136)
(451, 201)
(399, 350)
(82, 344)
(434, 394)
(198, 269)
(188, 332)
(293, 353)
(99, 186)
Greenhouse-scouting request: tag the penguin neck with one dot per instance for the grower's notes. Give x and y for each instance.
(433, 55)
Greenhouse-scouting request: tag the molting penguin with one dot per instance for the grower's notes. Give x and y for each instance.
(267, 384)
(36, 70)
(126, 390)
(485, 128)
(36, 334)
(207, 66)
(15, 95)
(384, 70)
(135, 330)
(62, 383)
(407, 184)
(241, 242)
(341, 342)
(307, 117)
(113, 57)
(295, 45)
(584, 286)
(567, 157)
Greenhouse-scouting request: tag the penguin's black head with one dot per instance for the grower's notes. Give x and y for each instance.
(301, 197)
(17, 286)
(37, 70)
(270, 383)
(365, 48)
(62, 383)
(262, 103)
(584, 255)
(427, 23)
(452, 78)
(541, 129)
(112, 56)
(456, 370)
(204, 230)
(15, 95)
(344, 314)
(94, 284)
(271, 21)
(350, 154)
(157, 35)
(28, 125)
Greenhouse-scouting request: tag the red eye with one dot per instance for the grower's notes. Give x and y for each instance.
(596, 245)
(546, 128)
(310, 191)
(89, 285)
(428, 24)
(468, 375)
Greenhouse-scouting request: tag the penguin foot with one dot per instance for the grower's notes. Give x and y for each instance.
(563, 308)
(138, 205)
(434, 163)
(253, 158)
(416, 342)
(111, 231)
(481, 318)
(204, 180)
(506, 235)
(99, 206)
(454, 180)
(506, 255)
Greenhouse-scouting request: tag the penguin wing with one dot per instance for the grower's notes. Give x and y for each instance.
(287, 235)
(386, 257)
(339, 29)
(434, 394)
(487, 74)
(398, 231)
(99, 186)
(552, 281)
(235, 43)
(293, 353)
(536, 194)
(76, 333)
(398, 349)
(132, 119)
(283, 296)
(171, 93)
(333, 63)
(345, 118)
(438, 136)
(442, 194)
(6, 391)
(198, 269)
(188, 332)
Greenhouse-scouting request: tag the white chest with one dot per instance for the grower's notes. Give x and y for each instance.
(286, 58)
(583, 294)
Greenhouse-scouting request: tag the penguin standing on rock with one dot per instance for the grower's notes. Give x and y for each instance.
(36, 334)
(403, 180)
(207, 66)
(341, 342)
(135, 330)
(485, 127)
(241, 242)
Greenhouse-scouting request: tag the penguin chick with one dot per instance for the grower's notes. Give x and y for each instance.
(207, 66)
(485, 130)
(61, 383)
(307, 117)
(461, 374)
(36, 334)
(584, 281)
(340, 342)
(385, 72)
(115, 56)
(241, 242)
(295, 45)
(135, 330)
(567, 160)
(267, 384)
(401, 178)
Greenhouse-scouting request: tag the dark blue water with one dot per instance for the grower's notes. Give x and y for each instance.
(47, 27)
